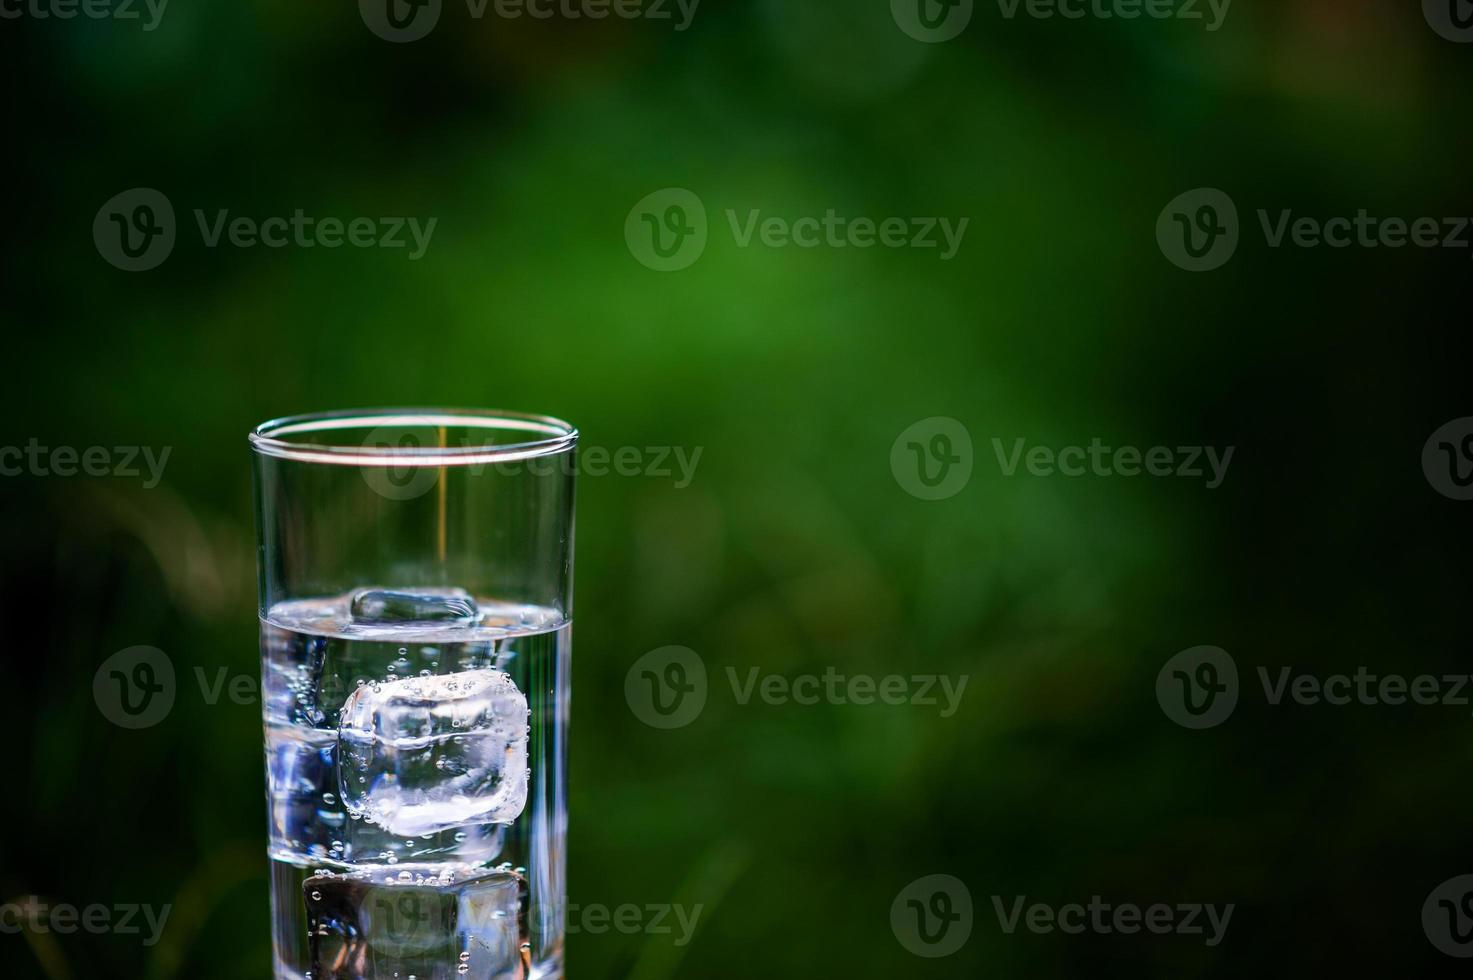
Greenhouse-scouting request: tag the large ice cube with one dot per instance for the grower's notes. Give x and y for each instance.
(377, 606)
(426, 754)
(409, 925)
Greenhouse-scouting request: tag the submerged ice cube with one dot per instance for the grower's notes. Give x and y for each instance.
(379, 606)
(408, 925)
(426, 754)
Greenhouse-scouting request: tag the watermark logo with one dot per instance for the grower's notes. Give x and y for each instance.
(932, 21)
(35, 459)
(836, 231)
(932, 916)
(401, 478)
(1451, 19)
(653, 919)
(941, 691)
(1447, 917)
(400, 21)
(135, 229)
(1447, 459)
(1105, 918)
(932, 459)
(400, 920)
(1198, 230)
(1198, 688)
(31, 914)
(1098, 459)
(134, 688)
(150, 12)
(666, 231)
(666, 688)
(1211, 12)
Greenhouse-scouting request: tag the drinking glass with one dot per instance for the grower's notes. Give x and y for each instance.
(415, 571)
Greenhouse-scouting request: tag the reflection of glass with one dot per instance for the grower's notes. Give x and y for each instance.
(415, 575)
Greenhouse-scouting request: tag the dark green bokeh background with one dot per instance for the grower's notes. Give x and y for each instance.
(794, 549)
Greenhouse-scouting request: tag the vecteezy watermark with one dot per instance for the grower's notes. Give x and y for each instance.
(1447, 459)
(667, 688)
(658, 919)
(667, 231)
(1211, 12)
(932, 916)
(932, 458)
(149, 12)
(933, 21)
(1451, 19)
(134, 688)
(1198, 231)
(404, 480)
(34, 459)
(31, 914)
(1105, 918)
(1370, 231)
(402, 21)
(919, 690)
(1103, 460)
(136, 230)
(1447, 916)
(414, 915)
(833, 230)
(1198, 688)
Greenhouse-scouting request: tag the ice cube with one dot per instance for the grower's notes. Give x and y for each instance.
(375, 606)
(292, 676)
(300, 768)
(407, 924)
(425, 754)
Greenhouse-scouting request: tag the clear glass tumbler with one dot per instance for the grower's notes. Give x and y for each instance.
(416, 612)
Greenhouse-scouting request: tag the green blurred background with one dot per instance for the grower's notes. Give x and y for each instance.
(794, 549)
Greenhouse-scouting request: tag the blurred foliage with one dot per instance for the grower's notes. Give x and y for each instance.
(793, 549)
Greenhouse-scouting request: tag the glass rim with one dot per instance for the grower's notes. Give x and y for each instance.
(556, 436)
